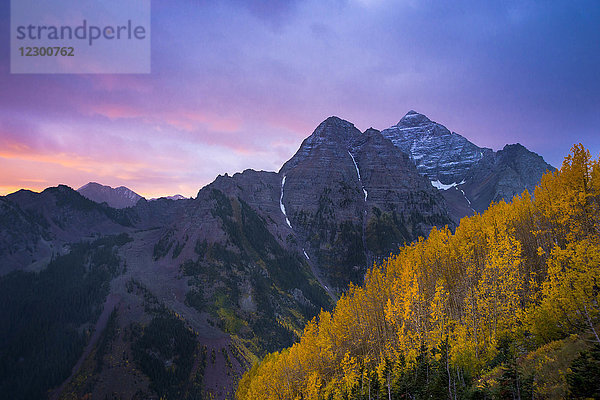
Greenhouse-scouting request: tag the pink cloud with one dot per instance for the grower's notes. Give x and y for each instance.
(117, 111)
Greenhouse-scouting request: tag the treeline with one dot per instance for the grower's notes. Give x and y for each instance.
(165, 351)
(463, 315)
(43, 314)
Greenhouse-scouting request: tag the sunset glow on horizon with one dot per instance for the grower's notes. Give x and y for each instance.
(240, 84)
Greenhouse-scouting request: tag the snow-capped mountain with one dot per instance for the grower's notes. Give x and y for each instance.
(441, 155)
(470, 177)
(174, 197)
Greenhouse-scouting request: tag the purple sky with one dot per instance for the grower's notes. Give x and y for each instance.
(240, 84)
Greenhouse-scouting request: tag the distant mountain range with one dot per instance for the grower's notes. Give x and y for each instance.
(174, 197)
(120, 197)
(255, 255)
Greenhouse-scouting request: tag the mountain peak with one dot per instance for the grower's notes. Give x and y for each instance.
(337, 129)
(413, 118)
(174, 197)
(335, 119)
(334, 122)
(120, 197)
(437, 152)
(515, 147)
(90, 184)
(517, 154)
(334, 134)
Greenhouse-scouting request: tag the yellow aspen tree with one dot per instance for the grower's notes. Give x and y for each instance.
(312, 390)
(470, 287)
(439, 316)
(351, 368)
(571, 291)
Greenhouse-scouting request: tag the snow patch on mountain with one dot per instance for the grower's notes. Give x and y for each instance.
(358, 174)
(442, 186)
(174, 197)
(281, 203)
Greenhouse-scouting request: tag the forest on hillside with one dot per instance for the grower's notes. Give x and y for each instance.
(47, 317)
(506, 307)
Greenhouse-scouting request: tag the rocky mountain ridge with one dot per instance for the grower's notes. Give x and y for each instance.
(255, 255)
(343, 189)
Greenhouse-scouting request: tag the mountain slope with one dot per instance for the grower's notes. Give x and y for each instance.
(502, 175)
(34, 226)
(507, 306)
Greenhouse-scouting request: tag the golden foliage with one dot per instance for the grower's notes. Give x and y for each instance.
(529, 269)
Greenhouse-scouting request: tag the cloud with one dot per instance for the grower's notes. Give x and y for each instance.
(239, 84)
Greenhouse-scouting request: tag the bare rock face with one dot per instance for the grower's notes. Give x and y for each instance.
(324, 202)
(391, 179)
(503, 175)
(401, 204)
(330, 136)
(260, 189)
(352, 197)
(120, 197)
